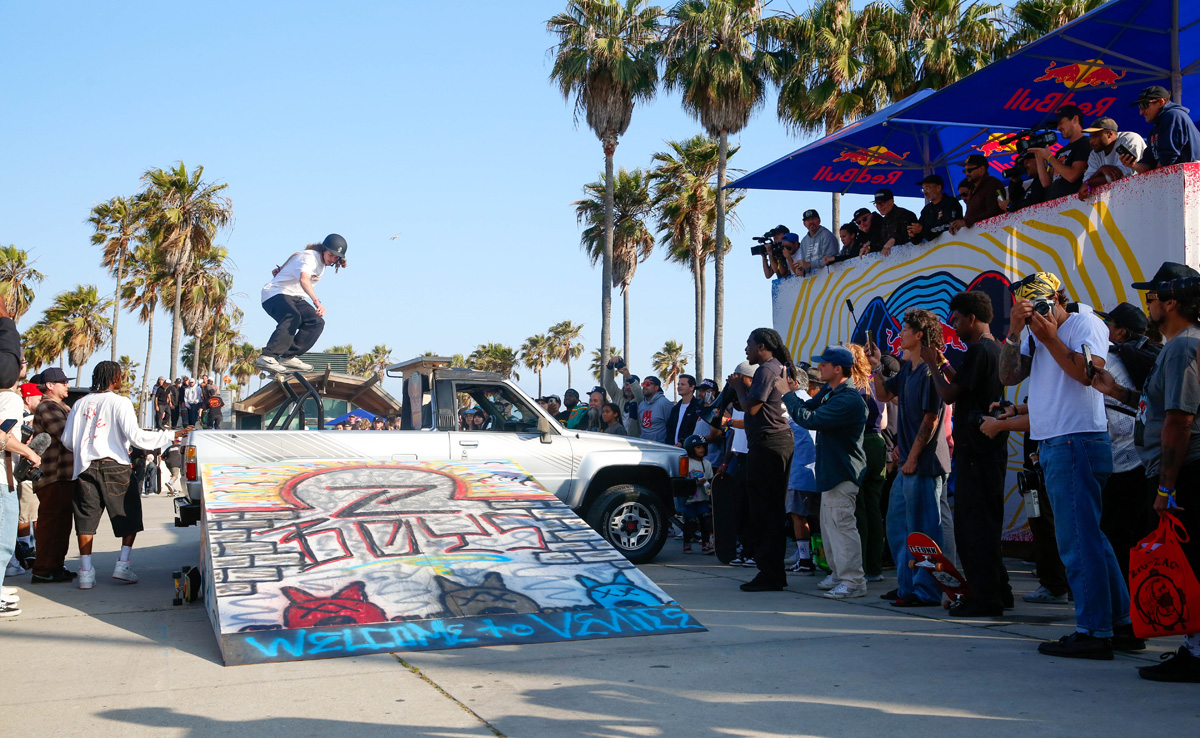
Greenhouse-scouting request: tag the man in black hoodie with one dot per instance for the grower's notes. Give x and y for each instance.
(1173, 137)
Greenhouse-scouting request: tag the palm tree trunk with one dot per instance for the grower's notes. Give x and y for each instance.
(212, 364)
(719, 259)
(568, 363)
(697, 239)
(539, 373)
(145, 393)
(196, 349)
(117, 301)
(625, 315)
(177, 323)
(703, 303)
(837, 211)
(610, 147)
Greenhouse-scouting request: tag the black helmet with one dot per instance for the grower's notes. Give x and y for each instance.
(693, 441)
(335, 245)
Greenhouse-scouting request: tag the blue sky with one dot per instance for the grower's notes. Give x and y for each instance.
(432, 121)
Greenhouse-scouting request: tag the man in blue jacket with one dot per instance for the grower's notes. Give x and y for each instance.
(1173, 137)
(838, 415)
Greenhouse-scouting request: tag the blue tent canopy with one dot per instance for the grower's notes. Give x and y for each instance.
(352, 415)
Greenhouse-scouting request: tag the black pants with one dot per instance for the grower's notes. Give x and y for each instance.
(1126, 513)
(297, 326)
(214, 418)
(739, 474)
(979, 523)
(770, 463)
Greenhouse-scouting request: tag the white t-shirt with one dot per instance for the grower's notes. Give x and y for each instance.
(103, 425)
(287, 282)
(741, 443)
(1097, 159)
(1058, 405)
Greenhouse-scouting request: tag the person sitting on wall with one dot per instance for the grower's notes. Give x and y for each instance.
(1104, 164)
(983, 199)
(1173, 137)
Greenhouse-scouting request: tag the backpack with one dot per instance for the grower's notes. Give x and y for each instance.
(215, 401)
(1138, 357)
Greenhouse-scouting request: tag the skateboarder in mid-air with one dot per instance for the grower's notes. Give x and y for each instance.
(298, 323)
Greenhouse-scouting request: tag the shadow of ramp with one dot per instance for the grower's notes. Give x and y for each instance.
(200, 726)
(322, 559)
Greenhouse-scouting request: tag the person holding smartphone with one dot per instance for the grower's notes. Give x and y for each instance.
(1104, 164)
(11, 410)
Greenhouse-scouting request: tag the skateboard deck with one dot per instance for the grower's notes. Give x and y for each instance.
(926, 554)
(187, 585)
(724, 505)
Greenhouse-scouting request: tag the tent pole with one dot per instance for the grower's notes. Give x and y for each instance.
(1176, 77)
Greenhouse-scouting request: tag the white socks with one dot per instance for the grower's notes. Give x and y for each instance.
(804, 548)
(125, 552)
(85, 562)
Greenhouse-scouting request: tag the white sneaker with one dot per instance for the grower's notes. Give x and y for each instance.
(123, 571)
(13, 570)
(87, 578)
(843, 591)
(270, 364)
(875, 578)
(10, 599)
(9, 610)
(828, 583)
(293, 363)
(6, 591)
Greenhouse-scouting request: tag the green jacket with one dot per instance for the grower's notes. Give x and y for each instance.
(838, 417)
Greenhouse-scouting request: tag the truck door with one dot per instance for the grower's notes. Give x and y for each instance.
(497, 423)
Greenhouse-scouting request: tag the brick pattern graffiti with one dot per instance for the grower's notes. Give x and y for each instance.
(476, 551)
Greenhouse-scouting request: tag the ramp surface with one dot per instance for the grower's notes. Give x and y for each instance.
(320, 559)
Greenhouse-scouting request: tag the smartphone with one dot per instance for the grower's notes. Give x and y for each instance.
(1087, 358)
(1124, 150)
(870, 341)
(8, 425)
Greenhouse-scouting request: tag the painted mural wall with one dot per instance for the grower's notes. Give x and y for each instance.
(1098, 247)
(318, 559)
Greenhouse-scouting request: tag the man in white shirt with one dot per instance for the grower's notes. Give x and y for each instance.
(98, 431)
(817, 244)
(1104, 163)
(1067, 419)
(298, 323)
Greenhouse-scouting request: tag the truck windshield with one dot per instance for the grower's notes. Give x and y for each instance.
(490, 407)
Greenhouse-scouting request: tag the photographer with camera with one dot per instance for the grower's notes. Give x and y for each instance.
(1104, 163)
(1173, 136)
(896, 221)
(939, 211)
(980, 461)
(1022, 194)
(983, 199)
(817, 245)
(653, 407)
(1167, 430)
(1060, 353)
(770, 247)
(1067, 165)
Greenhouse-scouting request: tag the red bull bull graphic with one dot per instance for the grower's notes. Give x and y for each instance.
(997, 143)
(1092, 73)
(872, 157)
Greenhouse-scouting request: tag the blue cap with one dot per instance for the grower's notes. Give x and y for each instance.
(836, 355)
(791, 237)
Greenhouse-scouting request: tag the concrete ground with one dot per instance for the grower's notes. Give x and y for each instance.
(119, 660)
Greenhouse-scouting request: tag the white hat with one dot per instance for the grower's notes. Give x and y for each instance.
(746, 369)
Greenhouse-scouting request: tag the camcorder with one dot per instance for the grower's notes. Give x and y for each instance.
(766, 243)
(1033, 138)
(619, 364)
(998, 413)
(1017, 170)
(1030, 484)
(1178, 289)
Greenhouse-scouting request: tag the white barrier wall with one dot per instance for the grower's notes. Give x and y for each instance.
(1097, 248)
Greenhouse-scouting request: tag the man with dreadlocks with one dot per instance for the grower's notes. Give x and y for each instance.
(771, 445)
(298, 323)
(98, 431)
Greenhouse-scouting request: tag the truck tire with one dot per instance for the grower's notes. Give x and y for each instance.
(631, 519)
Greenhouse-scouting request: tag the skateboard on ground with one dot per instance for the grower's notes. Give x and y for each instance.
(724, 505)
(926, 554)
(187, 585)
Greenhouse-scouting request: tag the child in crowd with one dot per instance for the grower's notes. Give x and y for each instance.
(697, 508)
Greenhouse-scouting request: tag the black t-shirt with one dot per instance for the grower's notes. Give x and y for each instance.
(979, 377)
(163, 394)
(769, 418)
(875, 235)
(895, 225)
(1072, 153)
(937, 217)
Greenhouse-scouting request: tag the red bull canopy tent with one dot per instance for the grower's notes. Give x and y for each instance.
(873, 152)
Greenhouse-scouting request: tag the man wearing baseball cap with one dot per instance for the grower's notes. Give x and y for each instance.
(939, 211)
(838, 416)
(870, 224)
(896, 220)
(1173, 136)
(816, 244)
(1104, 163)
(983, 197)
(1061, 172)
(55, 490)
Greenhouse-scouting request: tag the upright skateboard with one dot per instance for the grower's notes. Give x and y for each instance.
(724, 505)
(187, 585)
(927, 555)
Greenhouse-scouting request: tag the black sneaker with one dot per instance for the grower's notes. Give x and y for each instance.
(25, 554)
(63, 574)
(1180, 666)
(891, 594)
(972, 609)
(803, 566)
(913, 601)
(1079, 646)
(757, 585)
(1006, 599)
(1124, 640)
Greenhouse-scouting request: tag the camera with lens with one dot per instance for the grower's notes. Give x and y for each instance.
(766, 243)
(1042, 306)
(997, 413)
(1034, 138)
(1178, 289)
(619, 364)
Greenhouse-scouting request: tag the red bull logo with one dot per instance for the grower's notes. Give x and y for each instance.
(951, 339)
(893, 341)
(855, 174)
(872, 157)
(1092, 73)
(997, 143)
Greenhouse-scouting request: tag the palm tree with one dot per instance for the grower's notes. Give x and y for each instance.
(597, 366)
(458, 361)
(205, 293)
(632, 239)
(241, 364)
(535, 355)
(79, 315)
(353, 361)
(1035, 18)
(945, 40)
(117, 224)
(17, 276)
(606, 59)
(129, 369)
(713, 57)
(669, 363)
(183, 214)
(142, 291)
(563, 346)
(379, 360)
(495, 357)
(43, 345)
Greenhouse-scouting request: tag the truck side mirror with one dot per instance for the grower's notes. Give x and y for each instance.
(543, 427)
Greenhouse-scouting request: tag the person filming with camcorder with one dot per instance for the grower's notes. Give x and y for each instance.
(1067, 165)
(774, 252)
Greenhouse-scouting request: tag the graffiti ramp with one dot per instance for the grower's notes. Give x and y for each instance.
(321, 559)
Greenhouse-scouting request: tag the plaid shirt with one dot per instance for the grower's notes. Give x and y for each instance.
(58, 463)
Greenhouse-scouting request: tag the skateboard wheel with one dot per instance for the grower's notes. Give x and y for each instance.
(912, 564)
(939, 567)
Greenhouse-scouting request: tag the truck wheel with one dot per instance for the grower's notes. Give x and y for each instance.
(631, 519)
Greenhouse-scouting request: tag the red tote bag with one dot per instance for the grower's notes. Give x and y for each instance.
(1164, 596)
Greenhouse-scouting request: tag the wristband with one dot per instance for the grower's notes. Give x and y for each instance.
(1009, 340)
(1165, 492)
(944, 366)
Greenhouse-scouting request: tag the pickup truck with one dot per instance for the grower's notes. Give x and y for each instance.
(623, 487)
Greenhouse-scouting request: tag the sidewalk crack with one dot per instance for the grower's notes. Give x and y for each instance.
(421, 675)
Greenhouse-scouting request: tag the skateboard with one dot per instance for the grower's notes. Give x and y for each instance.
(927, 555)
(724, 505)
(187, 585)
